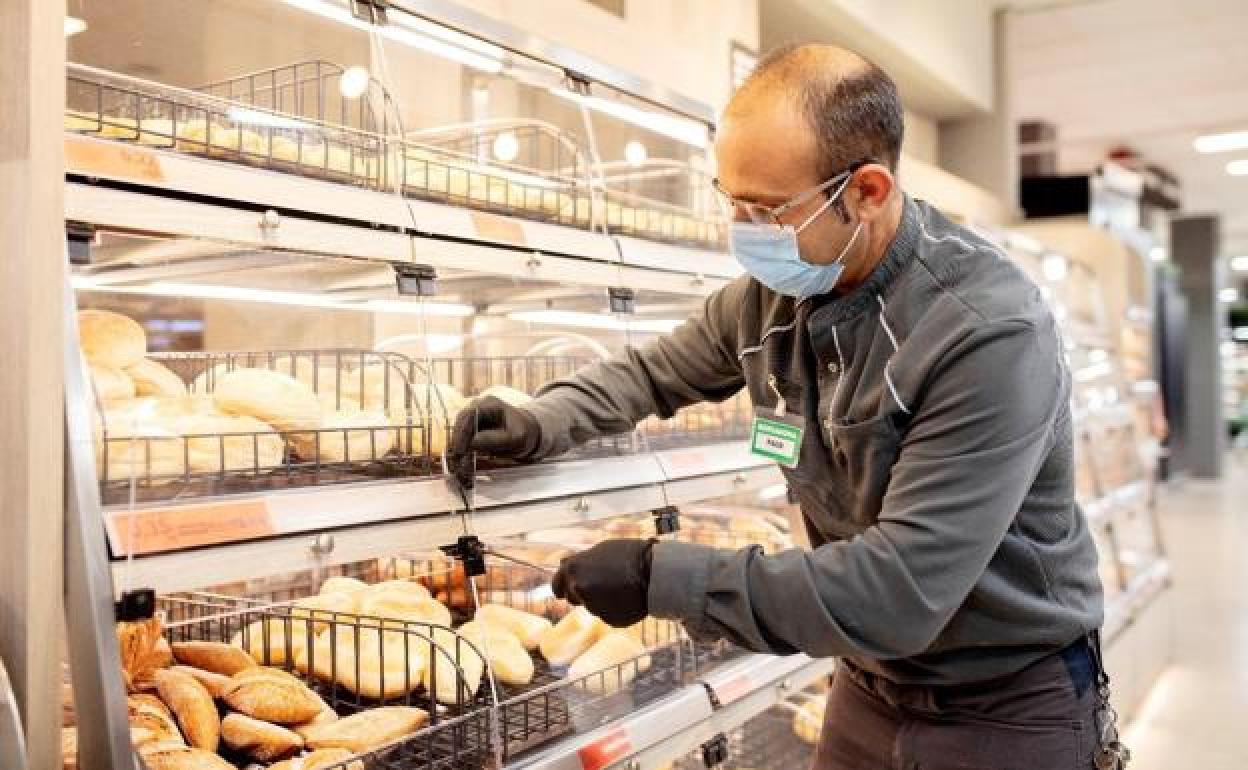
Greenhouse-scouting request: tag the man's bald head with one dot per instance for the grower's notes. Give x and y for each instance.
(850, 105)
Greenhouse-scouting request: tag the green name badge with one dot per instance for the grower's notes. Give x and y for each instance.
(776, 440)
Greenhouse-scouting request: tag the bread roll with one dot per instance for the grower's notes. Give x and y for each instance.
(274, 641)
(126, 449)
(168, 757)
(141, 654)
(211, 448)
(150, 713)
(346, 436)
(323, 608)
(366, 730)
(259, 740)
(315, 760)
(454, 674)
(606, 656)
(400, 585)
(192, 707)
(389, 665)
(152, 378)
(273, 697)
(281, 401)
(111, 384)
(571, 636)
(212, 682)
(508, 658)
(507, 394)
(405, 606)
(217, 657)
(808, 720)
(525, 626)
(342, 585)
(111, 339)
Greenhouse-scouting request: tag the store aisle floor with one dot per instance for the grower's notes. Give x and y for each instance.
(1197, 715)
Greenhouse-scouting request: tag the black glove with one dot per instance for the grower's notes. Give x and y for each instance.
(611, 580)
(493, 427)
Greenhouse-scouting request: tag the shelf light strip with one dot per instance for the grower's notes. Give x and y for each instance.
(691, 132)
(295, 298)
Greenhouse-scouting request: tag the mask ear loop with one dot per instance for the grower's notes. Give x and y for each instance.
(833, 198)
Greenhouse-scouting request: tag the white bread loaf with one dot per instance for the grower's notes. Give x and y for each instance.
(509, 660)
(398, 584)
(281, 401)
(457, 673)
(213, 449)
(525, 626)
(346, 436)
(339, 584)
(388, 665)
(404, 606)
(110, 338)
(152, 378)
(366, 730)
(571, 636)
(322, 608)
(599, 668)
(257, 739)
(274, 641)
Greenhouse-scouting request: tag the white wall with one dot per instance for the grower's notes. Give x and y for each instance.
(682, 45)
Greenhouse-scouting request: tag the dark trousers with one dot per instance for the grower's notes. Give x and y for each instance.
(1041, 718)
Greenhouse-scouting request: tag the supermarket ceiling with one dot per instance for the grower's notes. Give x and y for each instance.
(1151, 74)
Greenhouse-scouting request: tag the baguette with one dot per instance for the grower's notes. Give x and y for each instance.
(259, 740)
(571, 636)
(454, 674)
(192, 706)
(281, 401)
(217, 657)
(403, 606)
(273, 696)
(147, 712)
(614, 658)
(526, 626)
(318, 759)
(366, 730)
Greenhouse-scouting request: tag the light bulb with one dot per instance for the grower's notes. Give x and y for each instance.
(506, 147)
(635, 153)
(353, 82)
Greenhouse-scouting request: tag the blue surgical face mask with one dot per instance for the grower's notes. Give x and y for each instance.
(770, 254)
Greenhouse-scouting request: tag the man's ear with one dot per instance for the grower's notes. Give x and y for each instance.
(872, 188)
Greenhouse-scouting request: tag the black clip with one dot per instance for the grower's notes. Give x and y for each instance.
(622, 300)
(370, 11)
(715, 751)
(80, 237)
(135, 605)
(666, 519)
(471, 551)
(415, 280)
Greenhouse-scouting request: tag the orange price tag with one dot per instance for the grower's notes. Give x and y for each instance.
(172, 529)
(111, 159)
(495, 228)
(605, 751)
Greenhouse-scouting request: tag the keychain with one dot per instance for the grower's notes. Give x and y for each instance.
(1112, 753)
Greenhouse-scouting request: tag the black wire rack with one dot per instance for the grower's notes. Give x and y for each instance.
(473, 730)
(294, 119)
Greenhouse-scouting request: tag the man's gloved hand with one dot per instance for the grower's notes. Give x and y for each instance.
(493, 427)
(611, 580)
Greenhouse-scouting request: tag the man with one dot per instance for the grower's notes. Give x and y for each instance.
(952, 570)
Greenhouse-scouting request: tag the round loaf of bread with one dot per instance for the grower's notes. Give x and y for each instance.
(111, 338)
(152, 378)
(280, 400)
(111, 384)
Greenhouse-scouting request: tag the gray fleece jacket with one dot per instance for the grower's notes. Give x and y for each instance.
(935, 474)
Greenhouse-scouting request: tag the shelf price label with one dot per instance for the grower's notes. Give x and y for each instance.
(606, 750)
(158, 530)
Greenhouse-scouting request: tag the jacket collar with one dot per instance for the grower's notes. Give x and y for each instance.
(900, 254)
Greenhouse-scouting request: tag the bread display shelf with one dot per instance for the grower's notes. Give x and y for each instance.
(369, 155)
(472, 731)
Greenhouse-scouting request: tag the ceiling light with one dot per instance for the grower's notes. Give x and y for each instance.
(1239, 264)
(416, 33)
(1238, 167)
(74, 25)
(691, 132)
(506, 146)
(1157, 254)
(353, 82)
(1228, 295)
(415, 307)
(635, 153)
(1232, 140)
(593, 320)
(1054, 267)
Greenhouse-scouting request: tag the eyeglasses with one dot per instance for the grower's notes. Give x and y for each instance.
(760, 214)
